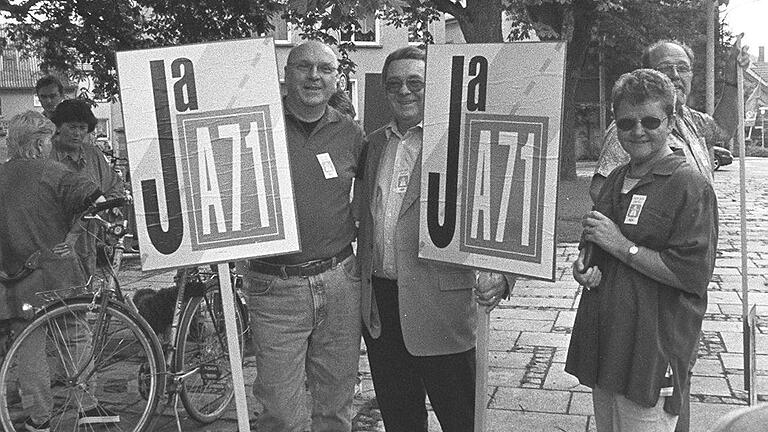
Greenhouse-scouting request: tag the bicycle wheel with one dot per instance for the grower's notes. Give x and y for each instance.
(62, 365)
(202, 354)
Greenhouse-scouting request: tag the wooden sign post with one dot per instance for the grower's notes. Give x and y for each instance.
(490, 157)
(209, 162)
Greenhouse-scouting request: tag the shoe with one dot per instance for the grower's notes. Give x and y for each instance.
(30, 426)
(98, 415)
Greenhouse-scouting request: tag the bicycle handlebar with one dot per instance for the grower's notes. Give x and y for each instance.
(108, 204)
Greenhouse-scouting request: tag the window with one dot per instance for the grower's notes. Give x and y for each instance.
(283, 34)
(366, 34)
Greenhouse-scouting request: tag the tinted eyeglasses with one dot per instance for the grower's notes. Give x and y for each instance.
(394, 85)
(648, 123)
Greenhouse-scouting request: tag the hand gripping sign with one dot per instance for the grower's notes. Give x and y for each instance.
(206, 144)
(209, 162)
(490, 157)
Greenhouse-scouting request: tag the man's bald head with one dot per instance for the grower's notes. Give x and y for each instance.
(311, 73)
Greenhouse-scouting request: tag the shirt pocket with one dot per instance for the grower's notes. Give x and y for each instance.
(654, 227)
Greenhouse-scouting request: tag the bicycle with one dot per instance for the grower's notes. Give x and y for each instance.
(100, 350)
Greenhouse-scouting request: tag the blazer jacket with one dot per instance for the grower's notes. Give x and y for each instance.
(438, 312)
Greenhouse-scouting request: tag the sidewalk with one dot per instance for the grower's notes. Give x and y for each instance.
(530, 332)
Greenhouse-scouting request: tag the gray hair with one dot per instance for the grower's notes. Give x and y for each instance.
(25, 131)
(644, 85)
(405, 53)
(645, 58)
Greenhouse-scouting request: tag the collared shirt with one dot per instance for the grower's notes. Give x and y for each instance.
(694, 133)
(395, 170)
(323, 164)
(631, 327)
(90, 161)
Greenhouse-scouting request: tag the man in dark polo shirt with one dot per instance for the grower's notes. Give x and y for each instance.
(305, 307)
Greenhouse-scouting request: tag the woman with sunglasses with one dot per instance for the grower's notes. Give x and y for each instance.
(654, 226)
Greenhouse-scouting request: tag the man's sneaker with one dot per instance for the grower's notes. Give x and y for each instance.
(30, 426)
(98, 415)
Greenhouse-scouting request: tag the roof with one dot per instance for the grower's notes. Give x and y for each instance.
(18, 71)
(761, 68)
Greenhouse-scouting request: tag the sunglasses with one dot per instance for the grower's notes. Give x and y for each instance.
(414, 85)
(648, 123)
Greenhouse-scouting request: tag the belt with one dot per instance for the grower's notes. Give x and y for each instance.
(309, 268)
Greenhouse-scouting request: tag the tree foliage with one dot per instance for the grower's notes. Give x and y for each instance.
(67, 33)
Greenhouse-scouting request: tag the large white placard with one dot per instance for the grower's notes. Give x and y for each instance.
(207, 151)
(490, 157)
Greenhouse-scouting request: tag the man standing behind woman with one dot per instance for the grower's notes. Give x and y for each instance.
(655, 222)
(419, 316)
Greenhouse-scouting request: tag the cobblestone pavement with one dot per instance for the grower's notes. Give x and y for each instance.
(527, 386)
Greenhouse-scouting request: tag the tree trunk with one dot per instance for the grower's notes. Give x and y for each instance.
(480, 21)
(573, 23)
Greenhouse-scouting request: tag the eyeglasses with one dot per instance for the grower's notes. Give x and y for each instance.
(305, 68)
(648, 123)
(394, 85)
(668, 69)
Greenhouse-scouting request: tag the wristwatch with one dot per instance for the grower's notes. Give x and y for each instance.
(632, 251)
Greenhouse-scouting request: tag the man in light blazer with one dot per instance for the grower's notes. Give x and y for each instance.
(419, 316)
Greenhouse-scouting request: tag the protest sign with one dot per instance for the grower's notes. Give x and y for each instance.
(490, 158)
(207, 151)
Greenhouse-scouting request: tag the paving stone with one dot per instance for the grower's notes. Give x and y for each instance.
(558, 379)
(735, 361)
(518, 399)
(510, 312)
(705, 415)
(543, 339)
(521, 325)
(736, 382)
(717, 386)
(723, 297)
(499, 340)
(565, 319)
(540, 302)
(721, 326)
(506, 421)
(581, 404)
(505, 377)
(514, 360)
(544, 292)
(708, 367)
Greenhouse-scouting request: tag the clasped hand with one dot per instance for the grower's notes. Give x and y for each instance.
(603, 232)
(489, 289)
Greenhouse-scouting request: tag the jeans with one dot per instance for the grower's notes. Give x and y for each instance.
(69, 351)
(306, 329)
(615, 413)
(402, 381)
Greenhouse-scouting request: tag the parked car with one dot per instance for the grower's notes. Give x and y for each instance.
(723, 157)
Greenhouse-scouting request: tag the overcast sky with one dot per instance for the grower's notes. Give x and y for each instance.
(751, 18)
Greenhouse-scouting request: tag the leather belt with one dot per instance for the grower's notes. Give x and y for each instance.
(309, 268)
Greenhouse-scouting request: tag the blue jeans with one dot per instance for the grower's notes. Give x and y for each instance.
(306, 329)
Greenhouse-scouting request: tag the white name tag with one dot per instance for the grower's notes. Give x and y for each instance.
(402, 182)
(329, 170)
(634, 210)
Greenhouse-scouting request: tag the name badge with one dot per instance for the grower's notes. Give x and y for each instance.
(402, 182)
(329, 170)
(634, 210)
